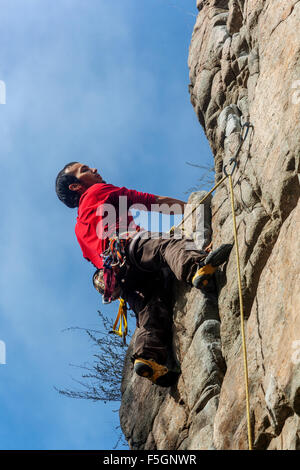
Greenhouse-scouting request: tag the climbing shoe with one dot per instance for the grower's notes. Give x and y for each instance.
(156, 373)
(203, 276)
(219, 256)
(214, 259)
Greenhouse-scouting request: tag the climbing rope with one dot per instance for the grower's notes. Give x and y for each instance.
(201, 202)
(241, 314)
(233, 163)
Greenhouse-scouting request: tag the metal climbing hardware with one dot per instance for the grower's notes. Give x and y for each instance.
(233, 160)
(114, 258)
(106, 280)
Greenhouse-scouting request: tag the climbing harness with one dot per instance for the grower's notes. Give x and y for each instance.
(228, 174)
(107, 280)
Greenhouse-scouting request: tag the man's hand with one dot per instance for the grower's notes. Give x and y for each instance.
(167, 203)
(208, 249)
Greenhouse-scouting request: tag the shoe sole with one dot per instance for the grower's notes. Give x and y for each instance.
(143, 370)
(202, 281)
(166, 380)
(203, 276)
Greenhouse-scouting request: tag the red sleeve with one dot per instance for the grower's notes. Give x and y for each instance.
(104, 192)
(90, 245)
(138, 197)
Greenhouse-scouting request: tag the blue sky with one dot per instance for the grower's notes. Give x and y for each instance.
(105, 83)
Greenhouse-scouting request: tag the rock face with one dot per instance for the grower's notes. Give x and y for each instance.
(244, 67)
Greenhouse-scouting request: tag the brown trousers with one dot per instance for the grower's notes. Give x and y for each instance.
(149, 294)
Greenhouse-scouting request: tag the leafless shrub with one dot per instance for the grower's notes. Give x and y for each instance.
(100, 380)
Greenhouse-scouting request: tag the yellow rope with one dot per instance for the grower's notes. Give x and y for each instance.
(240, 293)
(242, 314)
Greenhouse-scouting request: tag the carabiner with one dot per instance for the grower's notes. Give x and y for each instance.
(231, 161)
(244, 132)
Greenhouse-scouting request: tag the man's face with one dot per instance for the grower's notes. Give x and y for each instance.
(86, 175)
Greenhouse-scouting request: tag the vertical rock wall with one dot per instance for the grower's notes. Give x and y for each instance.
(244, 66)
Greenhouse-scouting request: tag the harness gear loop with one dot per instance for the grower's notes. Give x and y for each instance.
(106, 281)
(114, 258)
(122, 318)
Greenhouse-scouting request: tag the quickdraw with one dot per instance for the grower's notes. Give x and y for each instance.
(106, 280)
(114, 255)
(114, 259)
(122, 318)
(99, 284)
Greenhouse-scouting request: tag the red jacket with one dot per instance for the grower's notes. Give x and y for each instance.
(95, 225)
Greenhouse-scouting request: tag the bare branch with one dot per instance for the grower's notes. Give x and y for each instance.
(101, 380)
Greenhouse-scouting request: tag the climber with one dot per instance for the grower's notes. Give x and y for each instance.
(150, 260)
